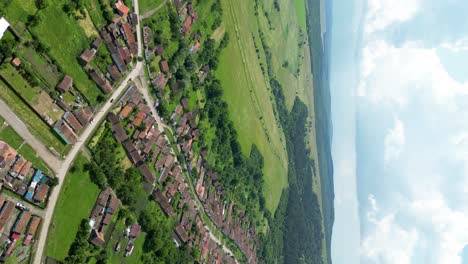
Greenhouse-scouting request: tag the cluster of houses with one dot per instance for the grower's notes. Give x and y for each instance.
(149, 150)
(120, 40)
(15, 227)
(188, 16)
(104, 209)
(20, 176)
(72, 123)
(132, 233)
(208, 188)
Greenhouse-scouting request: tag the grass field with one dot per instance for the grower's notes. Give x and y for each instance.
(248, 96)
(147, 5)
(36, 125)
(95, 12)
(300, 7)
(67, 42)
(74, 204)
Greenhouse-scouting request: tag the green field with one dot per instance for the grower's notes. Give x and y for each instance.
(66, 44)
(36, 125)
(147, 5)
(248, 96)
(9, 135)
(300, 7)
(74, 204)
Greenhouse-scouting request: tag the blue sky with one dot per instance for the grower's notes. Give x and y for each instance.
(400, 131)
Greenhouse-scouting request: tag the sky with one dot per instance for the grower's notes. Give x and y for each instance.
(399, 85)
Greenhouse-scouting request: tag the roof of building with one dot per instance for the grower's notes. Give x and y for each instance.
(181, 233)
(41, 192)
(125, 111)
(88, 55)
(122, 8)
(3, 26)
(6, 211)
(33, 225)
(163, 202)
(84, 115)
(113, 204)
(18, 165)
(164, 66)
(73, 121)
(135, 231)
(7, 153)
(114, 72)
(65, 132)
(128, 32)
(149, 177)
(102, 82)
(65, 84)
(96, 238)
(16, 62)
(26, 168)
(113, 119)
(21, 222)
(119, 132)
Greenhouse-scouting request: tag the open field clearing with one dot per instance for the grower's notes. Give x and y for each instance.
(248, 97)
(74, 204)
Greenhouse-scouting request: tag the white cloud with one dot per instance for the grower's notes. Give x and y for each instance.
(456, 46)
(394, 141)
(383, 13)
(391, 74)
(387, 242)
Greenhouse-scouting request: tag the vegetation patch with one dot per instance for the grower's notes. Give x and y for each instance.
(74, 204)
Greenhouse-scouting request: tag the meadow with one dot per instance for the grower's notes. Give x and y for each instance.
(246, 90)
(74, 204)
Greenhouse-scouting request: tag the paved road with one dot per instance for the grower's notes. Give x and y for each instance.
(22, 129)
(61, 173)
(152, 11)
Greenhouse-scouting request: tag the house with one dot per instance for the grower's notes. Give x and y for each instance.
(118, 60)
(65, 132)
(15, 170)
(7, 155)
(181, 233)
(203, 73)
(41, 193)
(163, 203)
(32, 229)
(184, 103)
(183, 14)
(97, 43)
(84, 115)
(126, 111)
(66, 84)
(122, 9)
(21, 222)
(116, 19)
(87, 56)
(100, 81)
(175, 116)
(113, 204)
(187, 26)
(135, 231)
(16, 62)
(96, 238)
(133, 19)
(3, 26)
(5, 213)
(149, 177)
(129, 250)
(164, 66)
(119, 132)
(114, 72)
(160, 82)
(25, 170)
(194, 49)
(163, 176)
(70, 118)
(127, 32)
(159, 50)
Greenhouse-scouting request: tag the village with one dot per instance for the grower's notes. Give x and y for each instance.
(163, 149)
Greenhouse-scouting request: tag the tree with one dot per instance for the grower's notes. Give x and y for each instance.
(6, 47)
(53, 181)
(41, 4)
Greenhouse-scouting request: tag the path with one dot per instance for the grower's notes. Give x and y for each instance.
(152, 11)
(99, 116)
(22, 129)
